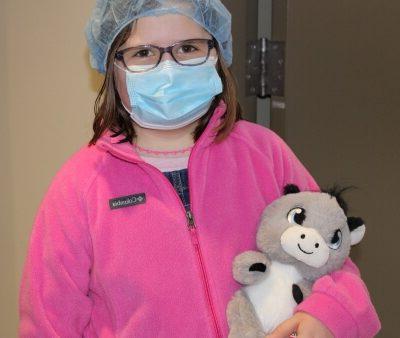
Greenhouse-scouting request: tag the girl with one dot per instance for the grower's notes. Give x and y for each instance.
(137, 232)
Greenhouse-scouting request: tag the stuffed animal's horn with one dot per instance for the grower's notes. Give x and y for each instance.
(357, 229)
(354, 222)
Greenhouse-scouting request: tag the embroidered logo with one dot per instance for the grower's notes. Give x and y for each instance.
(127, 201)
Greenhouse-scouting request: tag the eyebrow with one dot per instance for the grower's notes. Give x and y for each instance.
(158, 45)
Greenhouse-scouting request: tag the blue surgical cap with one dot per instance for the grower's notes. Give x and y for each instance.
(109, 17)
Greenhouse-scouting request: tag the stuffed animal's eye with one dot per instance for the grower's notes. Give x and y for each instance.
(336, 240)
(296, 215)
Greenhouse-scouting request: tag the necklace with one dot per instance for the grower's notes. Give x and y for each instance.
(173, 153)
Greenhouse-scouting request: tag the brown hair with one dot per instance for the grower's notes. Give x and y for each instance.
(110, 113)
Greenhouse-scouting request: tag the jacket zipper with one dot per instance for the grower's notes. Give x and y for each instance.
(195, 240)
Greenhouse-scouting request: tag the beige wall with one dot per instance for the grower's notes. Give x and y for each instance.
(47, 92)
(7, 239)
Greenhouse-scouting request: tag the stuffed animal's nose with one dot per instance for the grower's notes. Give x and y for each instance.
(305, 244)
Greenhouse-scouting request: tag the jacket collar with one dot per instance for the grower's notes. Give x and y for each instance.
(127, 152)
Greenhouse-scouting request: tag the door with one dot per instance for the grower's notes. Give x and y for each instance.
(250, 19)
(340, 115)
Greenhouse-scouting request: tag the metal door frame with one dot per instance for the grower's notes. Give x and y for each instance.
(264, 30)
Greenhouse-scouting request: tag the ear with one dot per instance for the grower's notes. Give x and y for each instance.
(290, 189)
(261, 267)
(250, 267)
(357, 229)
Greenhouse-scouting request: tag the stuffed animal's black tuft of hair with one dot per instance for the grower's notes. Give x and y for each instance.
(337, 192)
(291, 189)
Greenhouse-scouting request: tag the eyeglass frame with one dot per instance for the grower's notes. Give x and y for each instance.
(119, 55)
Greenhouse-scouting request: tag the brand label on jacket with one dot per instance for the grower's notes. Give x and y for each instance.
(127, 201)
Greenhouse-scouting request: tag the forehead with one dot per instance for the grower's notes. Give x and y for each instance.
(164, 30)
(321, 208)
(318, 203)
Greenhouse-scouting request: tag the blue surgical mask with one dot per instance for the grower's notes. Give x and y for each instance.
(172, 96)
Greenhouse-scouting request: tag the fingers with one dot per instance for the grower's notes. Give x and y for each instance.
(312, 331)
(285, 329)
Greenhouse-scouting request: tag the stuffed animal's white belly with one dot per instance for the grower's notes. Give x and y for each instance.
(272, 298)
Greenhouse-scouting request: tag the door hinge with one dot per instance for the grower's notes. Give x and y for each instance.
(265, 68)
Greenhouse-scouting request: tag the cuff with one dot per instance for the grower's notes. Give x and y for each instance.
(331, 313)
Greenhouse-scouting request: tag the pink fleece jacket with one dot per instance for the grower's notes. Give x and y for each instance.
(113, 253)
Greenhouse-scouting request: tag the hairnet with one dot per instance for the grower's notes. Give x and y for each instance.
(109, 17)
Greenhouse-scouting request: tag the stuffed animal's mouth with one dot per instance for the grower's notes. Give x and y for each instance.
(308, 253)
(297, 235)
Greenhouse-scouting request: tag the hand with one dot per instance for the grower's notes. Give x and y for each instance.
(305, 325)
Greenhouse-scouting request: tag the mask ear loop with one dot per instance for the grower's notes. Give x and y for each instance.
(127, 110)
(124, 70)
(119, 67)
(213, 59)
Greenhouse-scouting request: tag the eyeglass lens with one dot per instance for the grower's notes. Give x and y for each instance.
(190, 53)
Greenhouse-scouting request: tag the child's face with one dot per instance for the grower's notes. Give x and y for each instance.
(161, 31)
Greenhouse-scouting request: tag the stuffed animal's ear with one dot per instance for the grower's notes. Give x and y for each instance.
(250, 267)
(290, 189)
(357, 229)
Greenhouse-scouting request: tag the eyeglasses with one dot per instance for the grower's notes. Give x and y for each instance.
(142, 58)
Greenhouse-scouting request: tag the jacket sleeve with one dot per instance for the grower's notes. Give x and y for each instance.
(340, 300)
(53, 294)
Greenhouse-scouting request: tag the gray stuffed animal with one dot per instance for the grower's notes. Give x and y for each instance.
(301, 237)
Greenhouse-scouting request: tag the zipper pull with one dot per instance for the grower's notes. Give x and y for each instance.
(190, 218)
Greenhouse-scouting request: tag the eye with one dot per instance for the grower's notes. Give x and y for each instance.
(336, 240)
(187, 49)
(142, 53)
(296, 215)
